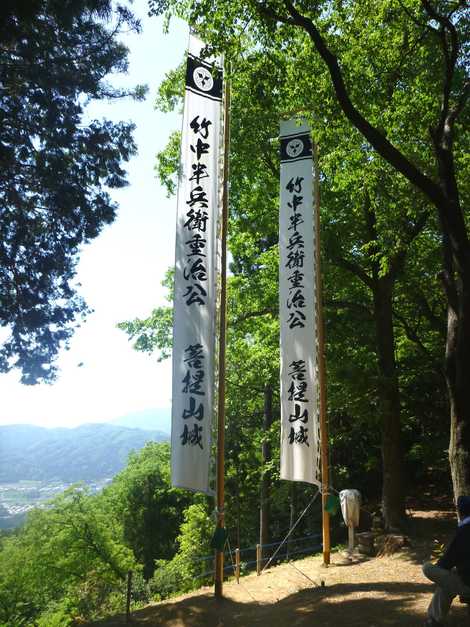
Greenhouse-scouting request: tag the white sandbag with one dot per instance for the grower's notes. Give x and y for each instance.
(350, 506)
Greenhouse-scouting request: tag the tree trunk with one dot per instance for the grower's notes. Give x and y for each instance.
(266, 479)
(458, 386)
(393, 493)
(456, 279)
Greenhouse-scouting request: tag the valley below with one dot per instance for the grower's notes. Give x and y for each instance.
(17, 499)
(38, 464)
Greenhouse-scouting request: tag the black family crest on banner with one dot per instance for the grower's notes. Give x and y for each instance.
(203, 79)
(296, 148)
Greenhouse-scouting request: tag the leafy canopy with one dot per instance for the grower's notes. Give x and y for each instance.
(55, 168)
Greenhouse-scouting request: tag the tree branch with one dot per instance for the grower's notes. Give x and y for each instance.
(398, 259)
(355, 269)
(450, 57)
(381, 144)
(413, 336)
(434, 321)
(347, 304)
(255, 314)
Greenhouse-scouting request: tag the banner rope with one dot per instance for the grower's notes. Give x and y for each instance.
(234, 570)
(302, 573)
(292, 529)
(230, 553)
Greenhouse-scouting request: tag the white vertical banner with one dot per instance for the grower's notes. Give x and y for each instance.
(195, 273)
(297, 307)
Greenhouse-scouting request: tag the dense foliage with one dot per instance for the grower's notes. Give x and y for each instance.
(55, 166)
(71, 559)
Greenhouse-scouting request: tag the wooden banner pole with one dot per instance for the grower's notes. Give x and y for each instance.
(321, 367)
(219, 556)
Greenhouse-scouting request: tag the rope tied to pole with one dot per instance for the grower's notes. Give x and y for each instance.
(291, 530)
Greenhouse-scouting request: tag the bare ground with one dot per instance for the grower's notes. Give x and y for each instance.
(367, 592)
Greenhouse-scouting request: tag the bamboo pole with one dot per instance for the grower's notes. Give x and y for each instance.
(219, 556)
(321, 367)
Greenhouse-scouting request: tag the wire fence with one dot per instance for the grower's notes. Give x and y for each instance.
(250, 559)
(255, 557)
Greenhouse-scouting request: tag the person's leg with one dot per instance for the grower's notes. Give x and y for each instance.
(449, 585)
(440, 605)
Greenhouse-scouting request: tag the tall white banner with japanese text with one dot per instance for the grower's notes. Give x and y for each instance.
(297, 307)
(195, 273)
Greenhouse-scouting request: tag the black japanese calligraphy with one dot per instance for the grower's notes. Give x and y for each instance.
(299, 437)
(198, 196)
(197, 217)
(295, 186)
(297, 301)
(193, 436)
(298, 370)
(194, 411)
(297, 388)
(196, 271)
(296, 319)
(295, 220)
(295, 280)
(295, 259)
(193, 382)
(199, 172)
(195, 294)
(201, 148)
(296, 202)
(299, 414)
(194, 356)
(197, 220)
(196, 245)
(298, 418)
(295, 255)
(193, 386)
(202, 128)
(297, 391)
(296, 241)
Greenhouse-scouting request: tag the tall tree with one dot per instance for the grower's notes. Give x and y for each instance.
(55, 166)
(151, 510)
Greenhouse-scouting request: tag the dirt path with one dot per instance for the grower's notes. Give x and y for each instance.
(388, 590)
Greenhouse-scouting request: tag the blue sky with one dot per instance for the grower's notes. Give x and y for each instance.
(121, 270)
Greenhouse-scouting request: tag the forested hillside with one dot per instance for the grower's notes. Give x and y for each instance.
(87, 453)
(70, 560)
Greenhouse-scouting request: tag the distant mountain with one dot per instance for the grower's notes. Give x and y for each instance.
(149, 419)
(87, 453)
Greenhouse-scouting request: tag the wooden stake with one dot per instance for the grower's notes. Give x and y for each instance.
(237, 565)
(258, 559)
(321, 368)
(128, 596)
(219, 556)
